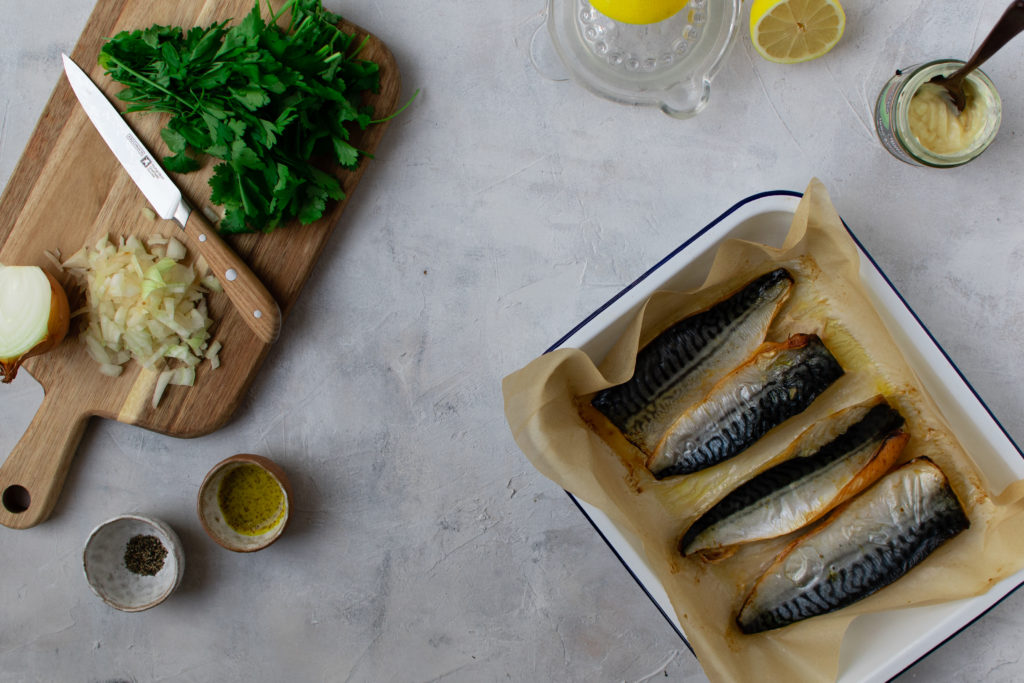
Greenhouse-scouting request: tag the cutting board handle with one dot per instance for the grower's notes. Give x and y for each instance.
(34, 472)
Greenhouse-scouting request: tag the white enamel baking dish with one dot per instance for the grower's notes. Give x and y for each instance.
(876, 647)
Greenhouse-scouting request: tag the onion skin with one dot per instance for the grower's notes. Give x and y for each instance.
(56, 330)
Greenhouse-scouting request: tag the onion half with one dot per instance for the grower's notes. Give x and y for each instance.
(34, 316)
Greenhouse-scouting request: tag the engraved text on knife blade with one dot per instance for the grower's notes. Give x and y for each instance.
(144, 158)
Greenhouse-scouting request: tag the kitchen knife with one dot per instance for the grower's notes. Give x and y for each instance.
(246, 292)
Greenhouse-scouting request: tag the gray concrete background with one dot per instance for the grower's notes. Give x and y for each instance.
(501, 209)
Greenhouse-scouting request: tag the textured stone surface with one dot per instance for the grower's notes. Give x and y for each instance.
(502, 209)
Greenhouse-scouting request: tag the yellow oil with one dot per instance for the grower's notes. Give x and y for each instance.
(251, 500)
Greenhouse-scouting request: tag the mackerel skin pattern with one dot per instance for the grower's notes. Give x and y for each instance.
(782, 381)
(868, 544)
(681, 358)
(789, 480)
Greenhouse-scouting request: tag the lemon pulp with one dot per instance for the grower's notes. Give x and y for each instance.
(789, 31)
(638, 11)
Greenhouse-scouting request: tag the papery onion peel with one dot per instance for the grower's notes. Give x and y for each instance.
(34, 316)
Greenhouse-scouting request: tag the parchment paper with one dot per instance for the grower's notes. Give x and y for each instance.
(548, 411)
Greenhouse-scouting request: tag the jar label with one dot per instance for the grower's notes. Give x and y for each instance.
(885, 115)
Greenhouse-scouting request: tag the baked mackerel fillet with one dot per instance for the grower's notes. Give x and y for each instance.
(677, 366)
(832, 461)
(860, 548)
(780, 381)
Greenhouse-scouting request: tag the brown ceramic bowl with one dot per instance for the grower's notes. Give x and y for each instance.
(212, 517)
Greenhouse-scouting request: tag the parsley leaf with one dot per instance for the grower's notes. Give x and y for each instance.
(271, 104)
(180, 163)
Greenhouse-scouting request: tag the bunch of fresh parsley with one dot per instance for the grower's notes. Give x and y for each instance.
(273, 104)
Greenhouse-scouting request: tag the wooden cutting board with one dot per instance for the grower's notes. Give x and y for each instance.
(68, 190)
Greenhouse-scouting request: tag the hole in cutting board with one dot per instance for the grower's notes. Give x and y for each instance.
(16, 498)
(19, 401)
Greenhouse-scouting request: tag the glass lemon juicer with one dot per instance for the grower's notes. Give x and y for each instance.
(668, 64)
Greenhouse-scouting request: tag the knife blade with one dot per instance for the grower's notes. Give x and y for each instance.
(245, 291)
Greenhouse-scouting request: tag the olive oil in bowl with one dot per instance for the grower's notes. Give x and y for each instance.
(244, 502)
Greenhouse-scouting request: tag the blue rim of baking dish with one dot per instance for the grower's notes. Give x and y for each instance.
(728, 212)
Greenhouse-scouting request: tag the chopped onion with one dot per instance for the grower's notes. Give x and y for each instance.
(144, 303)
(211, 215)
(33, 316)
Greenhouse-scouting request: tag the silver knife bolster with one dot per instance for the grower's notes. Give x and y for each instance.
(181, 213)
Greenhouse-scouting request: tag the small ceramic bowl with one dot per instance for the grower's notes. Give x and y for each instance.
(108, 574)
(216, 520)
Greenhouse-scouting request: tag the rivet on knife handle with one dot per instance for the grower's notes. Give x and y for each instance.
(246, 292)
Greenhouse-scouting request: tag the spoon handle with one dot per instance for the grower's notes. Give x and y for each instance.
(1008, 26)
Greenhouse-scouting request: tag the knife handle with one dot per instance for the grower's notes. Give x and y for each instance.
(248, 295)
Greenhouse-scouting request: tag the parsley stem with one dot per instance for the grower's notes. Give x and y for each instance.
(359, 48)
(117, 62)
(284, 8)
(400, 109)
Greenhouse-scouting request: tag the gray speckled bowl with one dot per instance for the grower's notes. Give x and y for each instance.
(109, 578)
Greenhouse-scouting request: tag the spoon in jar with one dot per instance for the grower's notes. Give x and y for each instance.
(1008, 26)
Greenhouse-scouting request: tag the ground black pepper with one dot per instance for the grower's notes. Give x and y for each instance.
(144, 555)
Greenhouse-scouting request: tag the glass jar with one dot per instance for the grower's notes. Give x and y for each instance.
(893, 115)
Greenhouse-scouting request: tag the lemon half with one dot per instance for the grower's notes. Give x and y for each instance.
(790, 31)
(638, 11)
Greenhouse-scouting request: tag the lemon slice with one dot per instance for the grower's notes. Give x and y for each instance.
(790, 31)
(638, 11)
